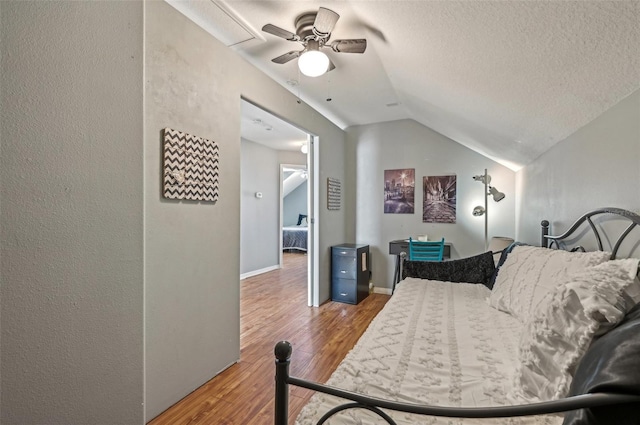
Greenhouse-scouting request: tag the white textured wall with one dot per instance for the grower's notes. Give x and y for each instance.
(72, 182)
(597, 166)
(406, 144)
(192, 250)
(260, 218)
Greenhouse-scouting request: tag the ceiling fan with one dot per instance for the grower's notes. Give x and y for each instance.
(313, 31)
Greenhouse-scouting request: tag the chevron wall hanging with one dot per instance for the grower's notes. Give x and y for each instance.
(190, 167)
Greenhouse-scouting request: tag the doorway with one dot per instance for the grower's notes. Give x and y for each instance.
(268, 144)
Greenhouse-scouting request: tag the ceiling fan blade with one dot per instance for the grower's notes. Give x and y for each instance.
(279, 32)
(286, 57)
(356, 45)
(325, 21)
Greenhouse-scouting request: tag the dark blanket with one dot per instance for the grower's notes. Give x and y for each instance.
(477, 269)
(611, 364)
(294, 237)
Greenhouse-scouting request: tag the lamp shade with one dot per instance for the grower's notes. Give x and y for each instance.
(478, 211)
(313, 63)
(498, 243)
(497, 195)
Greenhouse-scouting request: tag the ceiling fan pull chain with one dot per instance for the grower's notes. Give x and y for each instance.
(299, 82)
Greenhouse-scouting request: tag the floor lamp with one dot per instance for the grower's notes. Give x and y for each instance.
(480, 210)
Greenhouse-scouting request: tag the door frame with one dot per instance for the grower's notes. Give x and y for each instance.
(313, 191)
(313, 258)
(313, 272)
(284, 166)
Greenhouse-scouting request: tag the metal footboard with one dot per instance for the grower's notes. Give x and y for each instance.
(283, 352)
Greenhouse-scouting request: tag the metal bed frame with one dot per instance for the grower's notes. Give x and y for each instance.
(283, 351)
(549, 241)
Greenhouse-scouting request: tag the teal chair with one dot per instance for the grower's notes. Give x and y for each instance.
(426, 251)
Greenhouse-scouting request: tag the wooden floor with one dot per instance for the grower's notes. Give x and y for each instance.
(273, 307)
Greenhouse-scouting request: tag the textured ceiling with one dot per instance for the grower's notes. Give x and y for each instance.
(259, 126)
(508, 79)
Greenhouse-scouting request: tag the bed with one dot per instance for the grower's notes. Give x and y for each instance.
(459, 344)
(295, 238)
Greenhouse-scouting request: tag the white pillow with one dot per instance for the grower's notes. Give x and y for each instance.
(634, 291)
(530, 272)
(555, 340)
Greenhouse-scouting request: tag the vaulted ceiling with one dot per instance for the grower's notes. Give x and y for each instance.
(508, 79)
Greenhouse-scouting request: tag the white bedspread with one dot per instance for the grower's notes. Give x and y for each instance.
(433, 343)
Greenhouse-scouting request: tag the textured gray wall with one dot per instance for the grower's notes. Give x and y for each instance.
(72, 205)
(260, 230)
(72, 212)
(406, 144)
(597, 166)
(192, 250)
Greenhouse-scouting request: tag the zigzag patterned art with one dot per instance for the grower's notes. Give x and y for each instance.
(190, 167)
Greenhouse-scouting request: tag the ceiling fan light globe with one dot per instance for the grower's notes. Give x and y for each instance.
(313, 63)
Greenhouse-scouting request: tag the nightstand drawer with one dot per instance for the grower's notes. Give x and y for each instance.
(344, 290)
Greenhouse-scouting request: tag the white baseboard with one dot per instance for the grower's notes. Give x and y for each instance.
(257, 272)
(379, 290)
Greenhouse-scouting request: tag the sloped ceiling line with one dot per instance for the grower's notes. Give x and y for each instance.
(508, 79)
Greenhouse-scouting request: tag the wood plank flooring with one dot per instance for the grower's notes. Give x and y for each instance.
(273, 307)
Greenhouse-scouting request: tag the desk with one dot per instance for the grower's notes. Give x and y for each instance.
(400, 247)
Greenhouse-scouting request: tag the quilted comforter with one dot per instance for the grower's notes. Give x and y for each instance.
(436, 343)
(294, 237)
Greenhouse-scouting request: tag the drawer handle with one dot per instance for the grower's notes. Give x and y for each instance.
(344, 294)
(343, 271)
(343, 252)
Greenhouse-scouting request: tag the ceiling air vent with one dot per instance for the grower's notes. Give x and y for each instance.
(219, 20)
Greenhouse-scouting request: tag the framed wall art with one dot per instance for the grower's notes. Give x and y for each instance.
(439, 202)
(190, 169)
(334, 189)
(399, 191)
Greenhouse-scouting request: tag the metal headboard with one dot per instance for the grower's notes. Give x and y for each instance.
(633, 219)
